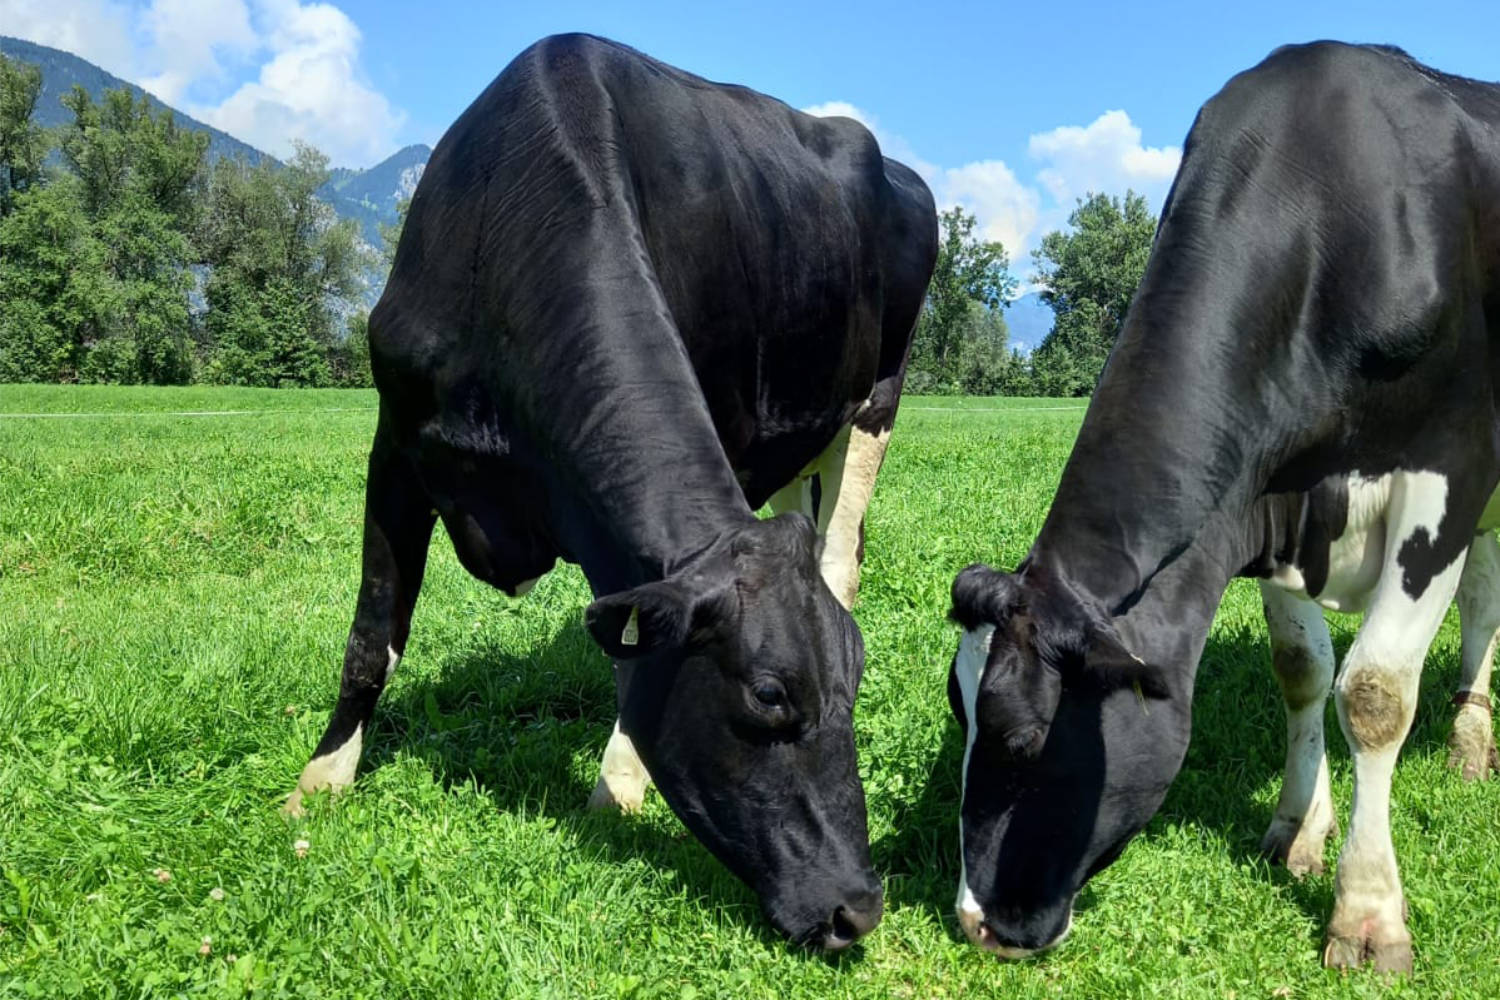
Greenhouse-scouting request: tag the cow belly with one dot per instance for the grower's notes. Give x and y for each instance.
(1355, 558)
(493, 551)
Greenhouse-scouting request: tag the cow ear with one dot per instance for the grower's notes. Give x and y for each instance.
(1109, 664)
(656, 616)
(982, 595)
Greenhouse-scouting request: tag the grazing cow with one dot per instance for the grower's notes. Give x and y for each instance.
(1303, 392)
(629, 306)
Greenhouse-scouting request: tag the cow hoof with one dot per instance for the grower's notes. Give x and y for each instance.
(1299, 850)
(625, 795)
(1392, 957)
(1471, 746)
(293, 806)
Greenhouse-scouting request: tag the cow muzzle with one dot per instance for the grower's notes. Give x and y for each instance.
(982, 932)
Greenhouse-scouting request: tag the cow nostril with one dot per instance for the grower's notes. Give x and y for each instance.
(844, 928)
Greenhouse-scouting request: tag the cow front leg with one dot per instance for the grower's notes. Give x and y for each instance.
(398, 527)
(1376, 696)
(1472, 742)
(1302, 659)
(622, 777)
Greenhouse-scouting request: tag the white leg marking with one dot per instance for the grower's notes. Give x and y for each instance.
(333, 771)
(1376, 695)
(1472, 742)
(622, 776)
(1302, 659)
(848, 483)
(392, 658)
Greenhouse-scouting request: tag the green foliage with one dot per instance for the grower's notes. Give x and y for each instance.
(279, 262)
(1089, 274)
(390, 236)
(177, 593)
(101, 261)
(21, 139)
(94, 278)
(960, 341)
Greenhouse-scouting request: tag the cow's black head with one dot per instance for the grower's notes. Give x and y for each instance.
(742, 672)
(1070, 744)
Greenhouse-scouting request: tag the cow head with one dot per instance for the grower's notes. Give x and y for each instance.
(1070, 744)
(741, 675)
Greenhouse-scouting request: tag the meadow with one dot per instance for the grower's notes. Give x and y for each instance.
(175, 592)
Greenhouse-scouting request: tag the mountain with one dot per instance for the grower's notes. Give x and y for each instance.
(1029, 320)
(61, 70)
(367, 196)
(371, 195)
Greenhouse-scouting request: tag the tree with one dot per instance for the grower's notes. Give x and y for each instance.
(21, 144)
(284, 274)
(390, 236)
(94, 283)
(1089, 275)
(960, 341)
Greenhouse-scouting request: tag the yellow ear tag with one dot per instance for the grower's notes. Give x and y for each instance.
(1140, 696)
(632, 634)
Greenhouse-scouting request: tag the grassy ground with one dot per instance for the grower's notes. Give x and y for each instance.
(174, 597)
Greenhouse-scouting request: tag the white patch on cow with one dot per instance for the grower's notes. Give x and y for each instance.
(1356, 556)
(968, 665)
(333, 770)
(392, 658)
(846, 470)
(622, 776)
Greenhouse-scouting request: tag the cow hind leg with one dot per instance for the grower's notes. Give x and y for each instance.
(398, 527)
(1472, 742)
(848, 486)
(1302, 658)
(1376, 696)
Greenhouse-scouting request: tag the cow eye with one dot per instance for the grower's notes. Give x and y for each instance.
(770, 693)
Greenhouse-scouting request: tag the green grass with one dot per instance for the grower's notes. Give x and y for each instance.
(174, 597)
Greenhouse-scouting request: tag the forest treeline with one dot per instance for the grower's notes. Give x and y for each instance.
(127, 256)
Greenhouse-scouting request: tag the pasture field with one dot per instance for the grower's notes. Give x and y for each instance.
(175, 592)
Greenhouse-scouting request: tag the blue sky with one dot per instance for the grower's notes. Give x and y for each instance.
(1012, 110)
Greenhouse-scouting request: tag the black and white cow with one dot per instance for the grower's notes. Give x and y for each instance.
(1303, 392)
(629, 307)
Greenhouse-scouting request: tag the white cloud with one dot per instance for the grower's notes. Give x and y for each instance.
(97, 30)
(265, 71)
(191, 38)
(1104, 156)
(310, 89)
(1004, 208)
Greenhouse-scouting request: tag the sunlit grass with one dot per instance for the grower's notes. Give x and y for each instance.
(174, 597)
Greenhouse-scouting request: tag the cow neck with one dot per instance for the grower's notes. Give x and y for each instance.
(1148, 518)
(649, 489)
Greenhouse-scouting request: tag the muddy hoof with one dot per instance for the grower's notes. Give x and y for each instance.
(1471, 746)
(1300, 852)
(1392, 957)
